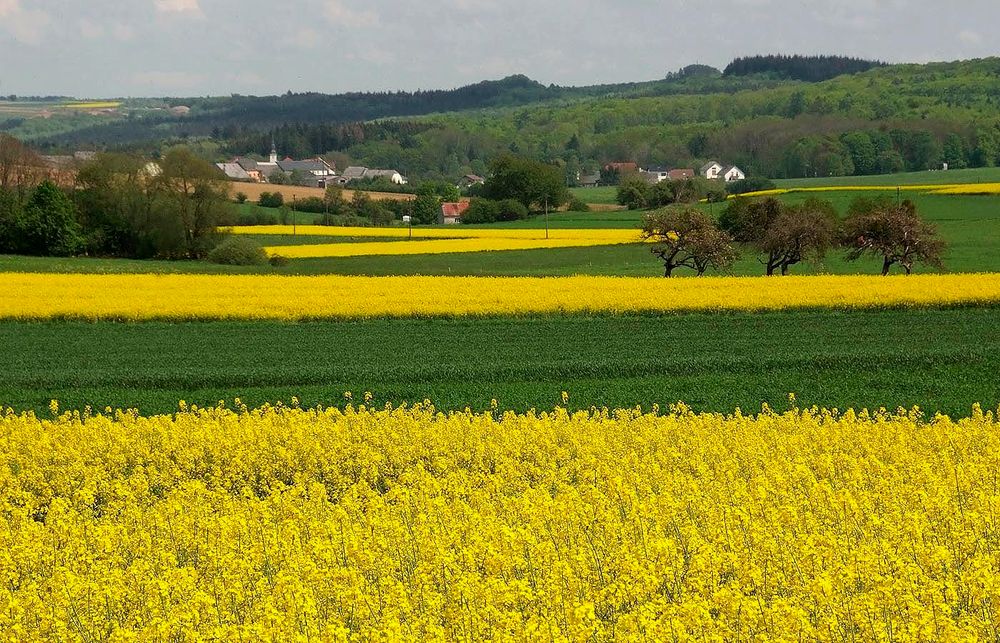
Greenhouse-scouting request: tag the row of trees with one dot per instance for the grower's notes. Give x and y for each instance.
(783, 235)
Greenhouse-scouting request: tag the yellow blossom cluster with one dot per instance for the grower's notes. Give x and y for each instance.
(970, 189)
(182, 296)
(287, 524)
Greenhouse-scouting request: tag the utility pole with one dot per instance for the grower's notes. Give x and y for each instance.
(293, 215)
(546, 217)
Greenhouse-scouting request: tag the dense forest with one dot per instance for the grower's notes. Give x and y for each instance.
(886, 119)
(811, 69)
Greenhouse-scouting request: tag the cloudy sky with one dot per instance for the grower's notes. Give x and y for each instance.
(111, 48)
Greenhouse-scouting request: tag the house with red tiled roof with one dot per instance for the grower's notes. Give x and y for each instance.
(451, 213)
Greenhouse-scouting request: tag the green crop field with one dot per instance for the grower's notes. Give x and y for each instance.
(939, 359)
(931, 177)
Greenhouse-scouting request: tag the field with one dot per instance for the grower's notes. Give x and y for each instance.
(408, 524)
(292, 192)
(942, 360)
(446, 438)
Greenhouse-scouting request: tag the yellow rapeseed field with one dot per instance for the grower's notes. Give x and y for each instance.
(944, 188)
(175, 296)
(609, 235)
(440, 246)
(283, 524)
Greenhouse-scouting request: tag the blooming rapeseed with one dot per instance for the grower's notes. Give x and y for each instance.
(362, 524)
(174, 296)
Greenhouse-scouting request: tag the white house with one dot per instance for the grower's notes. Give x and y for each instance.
(732, 173)
(711, 170)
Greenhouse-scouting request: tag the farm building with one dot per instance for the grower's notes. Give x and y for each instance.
(451, 213)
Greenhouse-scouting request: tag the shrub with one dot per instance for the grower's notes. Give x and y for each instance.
(511, 210)
(238, 251)
(576, 204)
(311, 204)
(755, 184)
(481, 211)
(278, 261)
(241, 197)
(257, 217)
(271, 199)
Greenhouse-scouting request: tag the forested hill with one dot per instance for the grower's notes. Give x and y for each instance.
(223, 116)
(887, 119)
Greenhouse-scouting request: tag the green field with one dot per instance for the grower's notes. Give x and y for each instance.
(970, 224)
(931, 177)
(941, 360)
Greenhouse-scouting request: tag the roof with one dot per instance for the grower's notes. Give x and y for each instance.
(377, 173)
(454, 210)
(683, 173)
(729, 168)
(354, 172)
(622, 166)
(707, 166)
(234, 171)
(309, 165)
(474, 178)
(658, 169)
(249, 165)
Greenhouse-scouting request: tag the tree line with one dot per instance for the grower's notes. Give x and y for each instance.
(117, 206)
(811, 69)
(782, 235)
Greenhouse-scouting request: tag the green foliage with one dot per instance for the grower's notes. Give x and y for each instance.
(490, 211)
(749, 185)
(868, 359)
(238, 250)
(577, 205)
(633, 193)
(48, 225)
(241, 197)
(271, 199)
(534, 184)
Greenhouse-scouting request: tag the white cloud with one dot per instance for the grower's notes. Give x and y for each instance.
(27, 26)
(344, 16)
(178, 6)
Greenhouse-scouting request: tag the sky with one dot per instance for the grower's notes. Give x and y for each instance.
(120, 48)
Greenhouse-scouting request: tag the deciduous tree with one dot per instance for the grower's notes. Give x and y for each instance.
(686, 237)
(897, 234)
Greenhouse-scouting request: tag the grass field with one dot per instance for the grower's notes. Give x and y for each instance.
(939, 359)
(932, 177)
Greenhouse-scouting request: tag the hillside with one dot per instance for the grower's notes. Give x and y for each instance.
(887, 119)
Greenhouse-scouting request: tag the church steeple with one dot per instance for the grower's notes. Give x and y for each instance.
(274, 151)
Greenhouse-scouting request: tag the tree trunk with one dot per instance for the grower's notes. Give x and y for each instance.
(886, 264)
(667, 269)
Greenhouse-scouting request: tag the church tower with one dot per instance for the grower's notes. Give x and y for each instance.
(274, 152)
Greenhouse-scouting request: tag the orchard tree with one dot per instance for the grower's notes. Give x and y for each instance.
(897, 234)
(783, 235)
(804, 232)
(686, 237)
